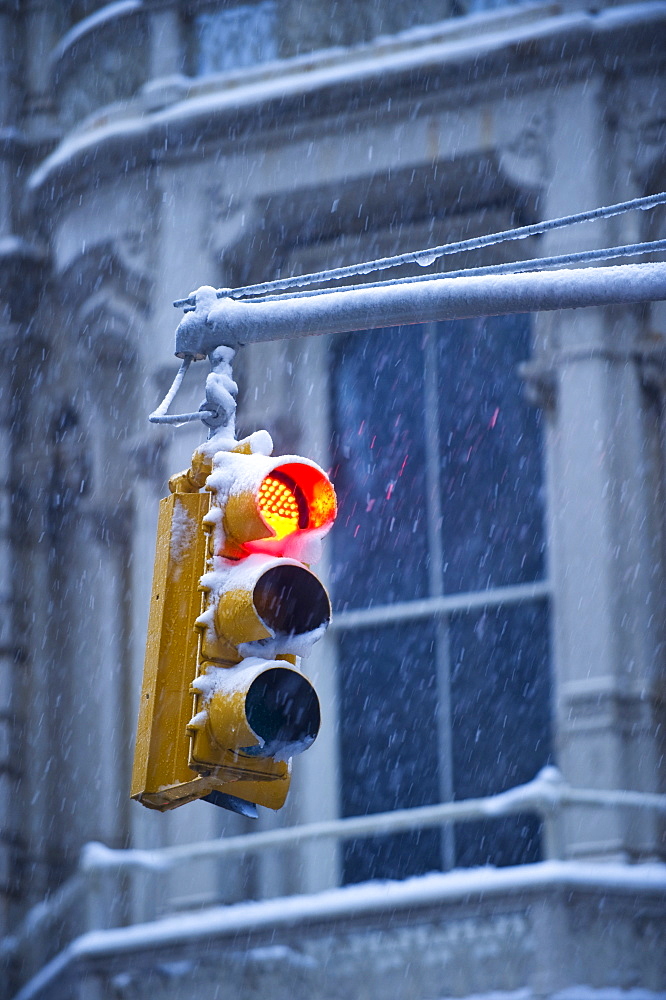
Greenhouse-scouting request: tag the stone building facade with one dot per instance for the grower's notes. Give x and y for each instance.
(151, 147)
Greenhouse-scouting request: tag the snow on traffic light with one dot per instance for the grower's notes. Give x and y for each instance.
(235, 605)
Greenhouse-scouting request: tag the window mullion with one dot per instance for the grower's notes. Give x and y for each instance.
(432, 457)
(435, 581)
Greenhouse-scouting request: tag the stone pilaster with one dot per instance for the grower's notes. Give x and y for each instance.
(607, 563)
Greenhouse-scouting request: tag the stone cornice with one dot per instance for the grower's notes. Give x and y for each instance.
(539, 45)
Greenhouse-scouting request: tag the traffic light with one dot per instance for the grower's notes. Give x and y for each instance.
(235, 605)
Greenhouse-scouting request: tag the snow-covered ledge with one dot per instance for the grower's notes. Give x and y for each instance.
(544, 923)
(527, 37)
(528, 913)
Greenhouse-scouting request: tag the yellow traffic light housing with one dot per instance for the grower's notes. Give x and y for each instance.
(161, 777)
(224, 706)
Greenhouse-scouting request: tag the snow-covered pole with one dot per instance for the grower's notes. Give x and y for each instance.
(214, 320)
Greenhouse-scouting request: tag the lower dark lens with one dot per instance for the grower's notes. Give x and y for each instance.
(291, 600)
(282, 708)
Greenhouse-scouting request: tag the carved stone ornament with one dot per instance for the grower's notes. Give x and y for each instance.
(107, 297)
(106, 326)
(525, 158)
(228, 220)
(642, 123)
(132, 249)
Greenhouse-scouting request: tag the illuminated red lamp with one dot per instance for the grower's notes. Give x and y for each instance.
(287, 500)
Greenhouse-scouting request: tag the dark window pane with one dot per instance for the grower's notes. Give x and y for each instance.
(512, 840)
(491, 458)
(500, 703)
(490, 488)
(388, 708)
(379, 541)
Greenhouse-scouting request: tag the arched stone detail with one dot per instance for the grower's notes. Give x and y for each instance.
(106, 299)
(228, 221)
(101, 305)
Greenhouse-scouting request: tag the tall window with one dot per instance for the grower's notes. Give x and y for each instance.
(439, 559)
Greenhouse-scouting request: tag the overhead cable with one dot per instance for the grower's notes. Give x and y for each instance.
(512, 267)
(426, 257)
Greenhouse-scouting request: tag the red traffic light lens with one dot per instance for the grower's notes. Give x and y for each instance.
(294, 497)
(282, 504)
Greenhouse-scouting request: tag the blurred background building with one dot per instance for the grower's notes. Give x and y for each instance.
(497, 566)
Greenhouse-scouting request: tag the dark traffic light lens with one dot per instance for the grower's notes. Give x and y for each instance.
(282, 708)
(290, 600)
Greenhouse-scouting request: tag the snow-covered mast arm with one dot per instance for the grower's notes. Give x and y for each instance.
(355, 307)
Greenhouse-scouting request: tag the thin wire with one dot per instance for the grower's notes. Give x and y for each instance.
(432, 254)
(514, 267)
(160, 415)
